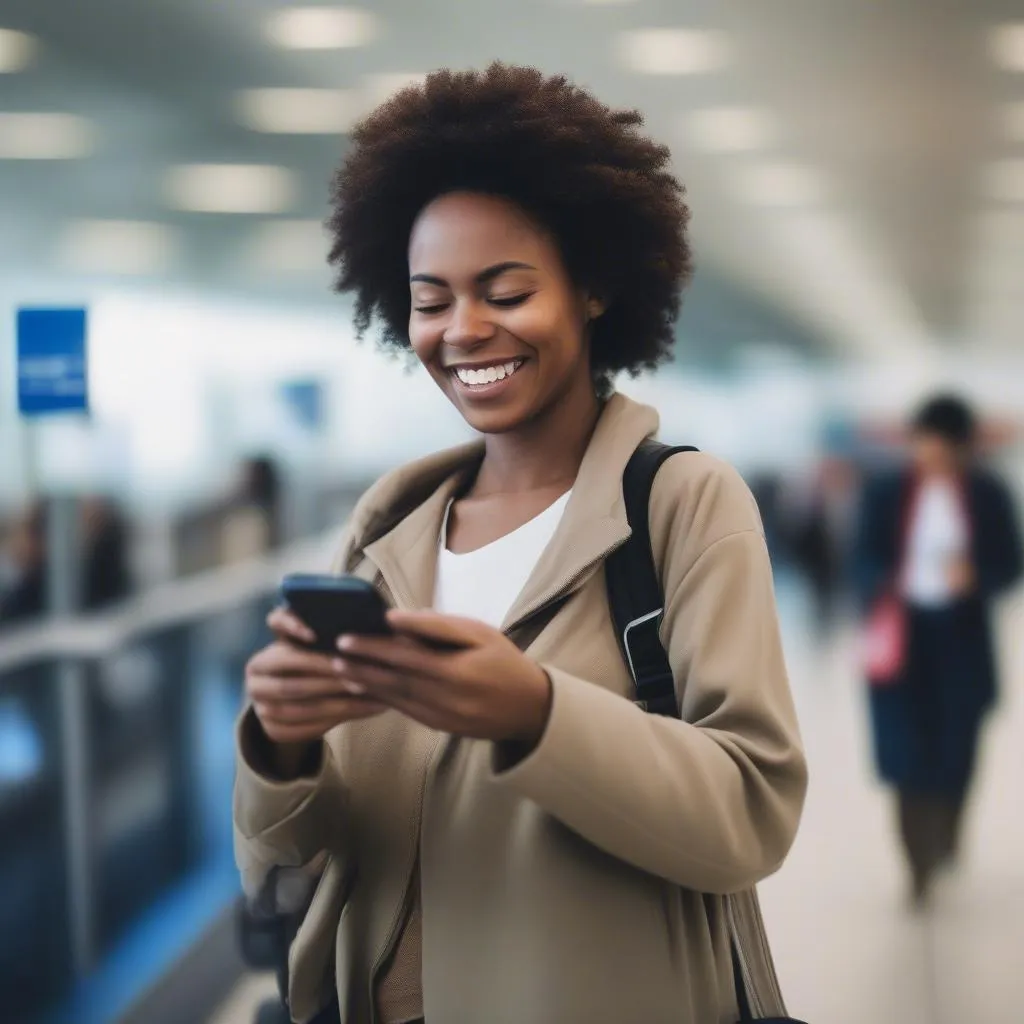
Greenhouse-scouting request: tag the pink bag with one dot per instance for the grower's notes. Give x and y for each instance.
(884, 633)
(884, 641)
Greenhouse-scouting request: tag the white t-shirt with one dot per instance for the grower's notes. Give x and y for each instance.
(936, 538)
(485, 583)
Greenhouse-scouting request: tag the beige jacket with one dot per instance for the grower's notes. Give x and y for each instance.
(587, 884)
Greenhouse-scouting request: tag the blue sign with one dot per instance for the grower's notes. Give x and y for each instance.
(305, 400)
(52, 374)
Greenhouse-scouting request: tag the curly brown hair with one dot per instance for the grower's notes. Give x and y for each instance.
(583, 170)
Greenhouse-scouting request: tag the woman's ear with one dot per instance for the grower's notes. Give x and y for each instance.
(595, 308)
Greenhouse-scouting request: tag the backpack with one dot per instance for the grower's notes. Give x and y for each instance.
(636, 603)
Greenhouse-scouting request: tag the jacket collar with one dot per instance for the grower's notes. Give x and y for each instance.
(398, 524)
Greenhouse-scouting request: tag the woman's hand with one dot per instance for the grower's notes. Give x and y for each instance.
(298, 695)
(961, 577)
(451, 674)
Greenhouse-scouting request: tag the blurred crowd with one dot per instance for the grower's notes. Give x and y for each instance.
(241, 523)
(106, 576)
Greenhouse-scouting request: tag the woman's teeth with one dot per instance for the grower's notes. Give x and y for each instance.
(489, 375)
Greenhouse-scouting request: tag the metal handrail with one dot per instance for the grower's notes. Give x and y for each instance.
(169, 604)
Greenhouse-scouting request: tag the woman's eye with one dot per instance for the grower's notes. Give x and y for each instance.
(428, 310)
(512, 300)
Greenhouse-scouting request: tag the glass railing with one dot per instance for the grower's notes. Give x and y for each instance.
(116, 763)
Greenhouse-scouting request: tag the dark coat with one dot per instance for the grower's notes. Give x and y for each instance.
(925, 728)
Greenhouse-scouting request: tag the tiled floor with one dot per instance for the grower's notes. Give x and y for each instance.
(847, 949)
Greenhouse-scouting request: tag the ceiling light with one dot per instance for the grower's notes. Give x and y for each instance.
(776, 184)
(1011, 121)
(231, 188)
(1006, 45)
(16, 50)
(321, 28)
(288, 247)
(117, 247)
(673, 51)
(297, 111)
(729, 129)
(1004, 181)
(44, 136)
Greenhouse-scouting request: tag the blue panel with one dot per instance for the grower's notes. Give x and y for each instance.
(305, 399)
(52, 375)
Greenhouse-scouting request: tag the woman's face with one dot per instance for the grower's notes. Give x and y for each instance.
(933, 455)
(495, 318)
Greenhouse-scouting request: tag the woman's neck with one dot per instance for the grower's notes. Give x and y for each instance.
(950, 474)
(544, 453)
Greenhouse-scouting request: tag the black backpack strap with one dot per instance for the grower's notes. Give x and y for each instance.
(634, 593)
(636, 603)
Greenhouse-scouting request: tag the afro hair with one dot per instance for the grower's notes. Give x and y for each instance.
(582, 170)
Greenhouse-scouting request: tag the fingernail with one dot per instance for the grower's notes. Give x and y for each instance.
(338, 665)
(344, 643)
(356, 689)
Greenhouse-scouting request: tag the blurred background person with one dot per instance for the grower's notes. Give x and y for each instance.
(105, 562)
(106, 547)
(814, 526)
(23, 592)
(941, 534)
(252, 517)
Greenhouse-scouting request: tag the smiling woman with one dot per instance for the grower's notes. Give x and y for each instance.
(501, 833)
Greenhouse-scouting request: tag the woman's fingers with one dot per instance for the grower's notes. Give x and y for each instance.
(435, 629)
(322, 715)
(281, 731)
(379, 681)
(282, 659)
(297, 689)
(288, 626)
(400, 654)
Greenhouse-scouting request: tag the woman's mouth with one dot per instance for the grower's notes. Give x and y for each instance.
(483, 377)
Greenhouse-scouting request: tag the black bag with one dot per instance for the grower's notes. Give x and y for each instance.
(636, 603)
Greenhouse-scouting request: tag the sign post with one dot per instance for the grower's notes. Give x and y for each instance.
(52, 381)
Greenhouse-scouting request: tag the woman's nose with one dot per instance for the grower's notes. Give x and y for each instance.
(469, 325)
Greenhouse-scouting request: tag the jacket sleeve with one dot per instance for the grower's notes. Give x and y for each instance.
(710, 802)
(280, 824)
(1000, 558)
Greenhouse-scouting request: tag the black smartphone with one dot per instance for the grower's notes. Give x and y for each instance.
(334, 605)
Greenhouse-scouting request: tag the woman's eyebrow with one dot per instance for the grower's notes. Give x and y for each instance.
(482, 278)
(500, 268)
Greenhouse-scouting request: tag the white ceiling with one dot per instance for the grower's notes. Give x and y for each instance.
(865, 208)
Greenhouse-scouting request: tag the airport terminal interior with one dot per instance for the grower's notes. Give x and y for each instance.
(187, 414)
